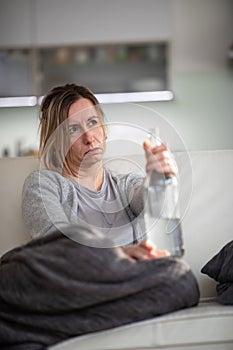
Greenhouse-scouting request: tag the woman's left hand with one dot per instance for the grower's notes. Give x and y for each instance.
(160, 159)
(144, 250)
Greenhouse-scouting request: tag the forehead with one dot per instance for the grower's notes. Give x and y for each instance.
(83, 108)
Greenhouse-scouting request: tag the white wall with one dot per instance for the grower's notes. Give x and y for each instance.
(18, 125)
(201, 32)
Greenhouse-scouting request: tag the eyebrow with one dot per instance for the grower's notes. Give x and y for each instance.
(93, 116)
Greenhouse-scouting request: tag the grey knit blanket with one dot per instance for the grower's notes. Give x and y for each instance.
(54, 288)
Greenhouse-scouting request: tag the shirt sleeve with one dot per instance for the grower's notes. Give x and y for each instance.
(131, 191)
(41, 205)
(135, 193)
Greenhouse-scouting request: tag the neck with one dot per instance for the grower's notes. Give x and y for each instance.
(91, 177)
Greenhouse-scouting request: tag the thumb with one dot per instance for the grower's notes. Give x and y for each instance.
(147, 146)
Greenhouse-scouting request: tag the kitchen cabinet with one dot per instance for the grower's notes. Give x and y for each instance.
(112, 47)
(16, 72)
(104, 68)
(16, 28)
(73, 22)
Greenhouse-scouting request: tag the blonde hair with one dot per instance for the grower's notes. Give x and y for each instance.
(54, 148)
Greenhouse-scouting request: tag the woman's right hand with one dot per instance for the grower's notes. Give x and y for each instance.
(144, 250)
(160, 159)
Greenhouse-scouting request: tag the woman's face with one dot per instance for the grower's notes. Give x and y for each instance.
(87, 133)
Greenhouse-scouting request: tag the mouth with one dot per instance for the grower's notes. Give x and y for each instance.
(93, 151)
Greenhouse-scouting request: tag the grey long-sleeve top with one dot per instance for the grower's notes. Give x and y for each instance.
(51, 201)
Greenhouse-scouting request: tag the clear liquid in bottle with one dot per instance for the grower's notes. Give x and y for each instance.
(162, 218)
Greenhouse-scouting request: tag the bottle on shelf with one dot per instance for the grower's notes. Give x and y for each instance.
(161, 212)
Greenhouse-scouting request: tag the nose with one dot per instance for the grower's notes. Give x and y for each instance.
(88, 137)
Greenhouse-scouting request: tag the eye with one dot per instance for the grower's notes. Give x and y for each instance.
(73, 129)
(93, 122)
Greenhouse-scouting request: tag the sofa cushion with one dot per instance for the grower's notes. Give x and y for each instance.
(208, 324)
(12, 175)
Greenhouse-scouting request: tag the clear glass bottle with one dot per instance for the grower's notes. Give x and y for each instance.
(161, 213)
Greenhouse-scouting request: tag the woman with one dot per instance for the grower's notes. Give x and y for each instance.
(76, 187)
(53, 288)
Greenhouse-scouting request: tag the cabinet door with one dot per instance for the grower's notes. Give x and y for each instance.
(15, 23)
(16, 72)
(106, 68)
(103, 21)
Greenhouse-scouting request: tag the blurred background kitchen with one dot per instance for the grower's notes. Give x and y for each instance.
(176, 56)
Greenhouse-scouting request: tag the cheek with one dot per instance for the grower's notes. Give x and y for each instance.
(73, 141)
(102, 134)
(75, 145)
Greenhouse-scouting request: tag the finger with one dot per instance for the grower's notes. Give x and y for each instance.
(147, 145)
(141, 254)
(159, 149)
(137, 252)
(132, 259)
(150, 246)
(162, 162)
(151, 251)
(162, 253)
(145, 251)
(156, 165)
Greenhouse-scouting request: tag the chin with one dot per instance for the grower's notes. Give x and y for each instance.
(92, 159)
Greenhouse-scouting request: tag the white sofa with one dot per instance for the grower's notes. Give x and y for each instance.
(207, 226)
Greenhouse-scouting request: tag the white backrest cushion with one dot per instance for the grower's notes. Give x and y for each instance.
(208, 223)
(13, 172)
